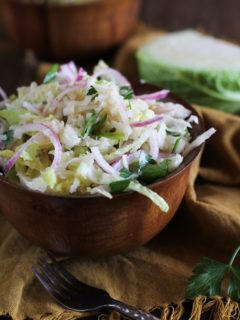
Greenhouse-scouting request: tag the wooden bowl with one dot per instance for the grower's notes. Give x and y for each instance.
(94, 225)
(69, 31)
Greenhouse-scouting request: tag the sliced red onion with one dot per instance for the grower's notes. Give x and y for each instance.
(67, 73)
(56, 100)
(66, 91)
(163, 155)
(199, 140)
(155, 96)
(163, 109)
(11, 162)
(126, 160)
(114, 75)
(193, 119)
(118, 165)
(80, 74)
(31, 107)
(116, 160)
(48, 132)
(102, 162)
(153, 143)
(146, 122)
(123, 113)
(71, 67)
(3, 94)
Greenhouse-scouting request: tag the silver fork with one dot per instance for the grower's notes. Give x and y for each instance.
(78, 296)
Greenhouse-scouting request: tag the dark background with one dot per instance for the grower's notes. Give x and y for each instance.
(217, 17)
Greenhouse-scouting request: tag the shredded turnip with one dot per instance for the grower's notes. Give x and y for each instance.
(114, 75)
(67, 91)
(126, 160)
(199, 140)
(31, 107)
(67, 73)
(155, 96)
(146, 122)
(123, 113)
(103, 164)
(56, 101)
(3, 94)
(48, 132)
(193, 119)
(11, 162)
(153, 143)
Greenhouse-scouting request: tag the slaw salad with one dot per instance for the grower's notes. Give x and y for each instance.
(90, 134)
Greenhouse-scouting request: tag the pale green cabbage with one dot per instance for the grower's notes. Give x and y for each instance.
(201, 69)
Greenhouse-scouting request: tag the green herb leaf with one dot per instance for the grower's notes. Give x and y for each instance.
(112, 135)
(126, 92)
(207, 279)
(125, 173)
(144, 159)
(12, 175)
(92, 92)
(9, 140)
(94, 124)
(152, 172)
(80, 150)
(89, 124)
(208, 276)
(51, 75)
(99, 124)
(173, 133)
(119, 186)
(176, 144)
(234, 283)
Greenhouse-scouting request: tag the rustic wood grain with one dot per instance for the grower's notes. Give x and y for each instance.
(218, 17)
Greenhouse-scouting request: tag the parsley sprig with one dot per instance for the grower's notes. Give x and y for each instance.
(126, 92)
(52, 73)
(208, 277)
(94, 124)
(145, 170)
(92, 92)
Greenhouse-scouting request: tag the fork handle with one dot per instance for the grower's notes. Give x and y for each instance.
(131, 312)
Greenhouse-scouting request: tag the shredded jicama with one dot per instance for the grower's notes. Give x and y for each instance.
(102, 162)
(3, 94)
(155, 96)
(199, 140)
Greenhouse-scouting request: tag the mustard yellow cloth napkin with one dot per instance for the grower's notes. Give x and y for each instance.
(207, 224)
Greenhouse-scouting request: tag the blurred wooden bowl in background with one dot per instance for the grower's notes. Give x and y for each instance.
(69, 31)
